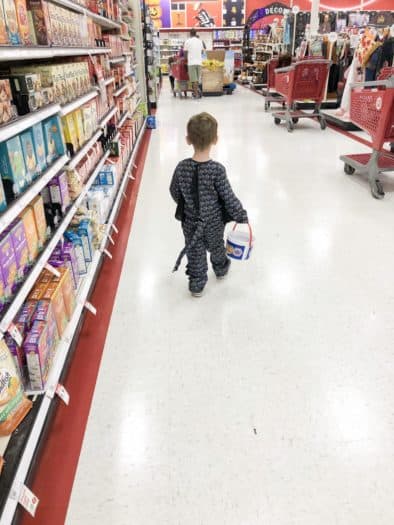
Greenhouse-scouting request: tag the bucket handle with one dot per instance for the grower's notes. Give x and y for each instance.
(250, 233)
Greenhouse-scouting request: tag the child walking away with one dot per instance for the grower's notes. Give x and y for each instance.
(205, 202)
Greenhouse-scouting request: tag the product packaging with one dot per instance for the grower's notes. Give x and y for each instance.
(8, 264)
(39, 147)
(37, 206)
(70, 134)
(29, 154)
(60, 196)
(37, 292)
(3, 200)
(41, 21)
(11, 22)
(23, 22)
(12, 168)
(53, 136)
(21, 250)
(54, 294)
(37, 352)
(29, 224)
(85, 233)
(78, 249)
(66, 283)
(13, 403)
(69, 256)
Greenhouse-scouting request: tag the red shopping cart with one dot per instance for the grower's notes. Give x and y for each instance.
(305, 80)
(372, 109)
(270, 94)
(181, 76)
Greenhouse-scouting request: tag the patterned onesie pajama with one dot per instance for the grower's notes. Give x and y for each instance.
(207, 201)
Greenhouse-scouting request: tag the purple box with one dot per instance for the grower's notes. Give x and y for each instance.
(8, 264)
(58, 188)
(37, 355)
(21, 249)
(17, 355)
(70, 256)
(25, 316)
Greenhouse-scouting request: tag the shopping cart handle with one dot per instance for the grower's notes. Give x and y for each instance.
(374, 83)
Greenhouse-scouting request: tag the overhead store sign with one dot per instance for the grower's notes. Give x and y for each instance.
(276, 8)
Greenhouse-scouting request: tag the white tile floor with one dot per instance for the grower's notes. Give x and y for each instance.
(270, 400)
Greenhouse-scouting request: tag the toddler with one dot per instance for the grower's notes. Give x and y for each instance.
(205, 202)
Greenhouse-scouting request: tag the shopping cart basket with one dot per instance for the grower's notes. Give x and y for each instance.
(305, 80)
(270, 93)
(181, 76)
(372, 109)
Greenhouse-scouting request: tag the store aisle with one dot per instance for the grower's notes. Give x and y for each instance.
(269, 400)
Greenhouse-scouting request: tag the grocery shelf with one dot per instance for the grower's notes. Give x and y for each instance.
(16, 53)
(120, 90)
(20, 204)
(62, 351)
(122, 185)
(100, 20)
(123, 119)
(78, 102)
(80, 154)
(23, 292)
(107, 117)
(15, 127)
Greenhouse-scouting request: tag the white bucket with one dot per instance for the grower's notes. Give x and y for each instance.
(239, 244)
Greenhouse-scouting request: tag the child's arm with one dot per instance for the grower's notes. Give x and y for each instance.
(174, 187)
(231, 202)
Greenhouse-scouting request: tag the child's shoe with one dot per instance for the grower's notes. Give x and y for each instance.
(197, 294)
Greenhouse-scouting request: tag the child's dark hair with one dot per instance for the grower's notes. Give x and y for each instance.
(202, 130)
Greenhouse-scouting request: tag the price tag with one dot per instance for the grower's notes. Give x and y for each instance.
(111, 240)
(107, 253)
(114, 228)
(130, 176)
(53, 270)
(91, 308)
(124, 194)
(28, 500)
(295, 10)
(14, 332)
(63, 394)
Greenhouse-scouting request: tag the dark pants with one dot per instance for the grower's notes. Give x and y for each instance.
(211, 240)
(172, 82)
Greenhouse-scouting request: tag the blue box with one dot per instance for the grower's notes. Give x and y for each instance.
(86, 235)
(12, 168)
(39, 147)
(29, 154)
(54, 140)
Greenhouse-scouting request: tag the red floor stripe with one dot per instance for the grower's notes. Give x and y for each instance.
(56, 468)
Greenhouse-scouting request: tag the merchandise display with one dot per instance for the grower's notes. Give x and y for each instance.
(71, 129)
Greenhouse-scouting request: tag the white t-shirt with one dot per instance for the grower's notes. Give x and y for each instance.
(194, 49)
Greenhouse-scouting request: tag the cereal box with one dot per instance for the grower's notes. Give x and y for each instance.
(53, 136)
(78, 123)
(54, 294)
(8, 264)
(12, 168)
(39, 147)
(44, 312)
(17, 355)
(58, 187)
(29, 224)
(19, 243)
(7, 112)
(5, 90)
(3, 32)
(87, 121)
(23, 22)
(37, 292)
(70, 134)
(29, 154)
(69, 257)
(37, 352)
(86, 235)
(68, 290)
(11, 22)
(78, 249)
(37, 205)
(41, 21)
(3, 200)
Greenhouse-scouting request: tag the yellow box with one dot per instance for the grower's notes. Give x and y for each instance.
(29, 223)
(54, 294)
(70, 133)
(78, 123)
(37, 206)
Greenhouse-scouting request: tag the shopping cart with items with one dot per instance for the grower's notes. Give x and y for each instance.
(270, 93)
(305, 80)
(372, 109)
(181, 77)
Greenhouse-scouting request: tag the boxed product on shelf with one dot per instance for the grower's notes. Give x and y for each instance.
(37, 293)
(85, 233)
(70, 134)
(29, 154)
(14, 404)
(76, 241)
(19, 243)
(39, 146)
(8, 264)
(54, 294)
(66, 283)
(54, 141)
(58, 187)
(41, 21)
(29, 224)
(69, 256)
(26, 91)
(38, 348)
(79, 128)
(23, 22)
(11, 22)
(3, 200)
(12, 168)
(37, 207)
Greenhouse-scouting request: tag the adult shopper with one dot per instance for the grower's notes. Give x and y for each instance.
(194, 48)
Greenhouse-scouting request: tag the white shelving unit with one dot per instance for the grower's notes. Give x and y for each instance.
(19, 53)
